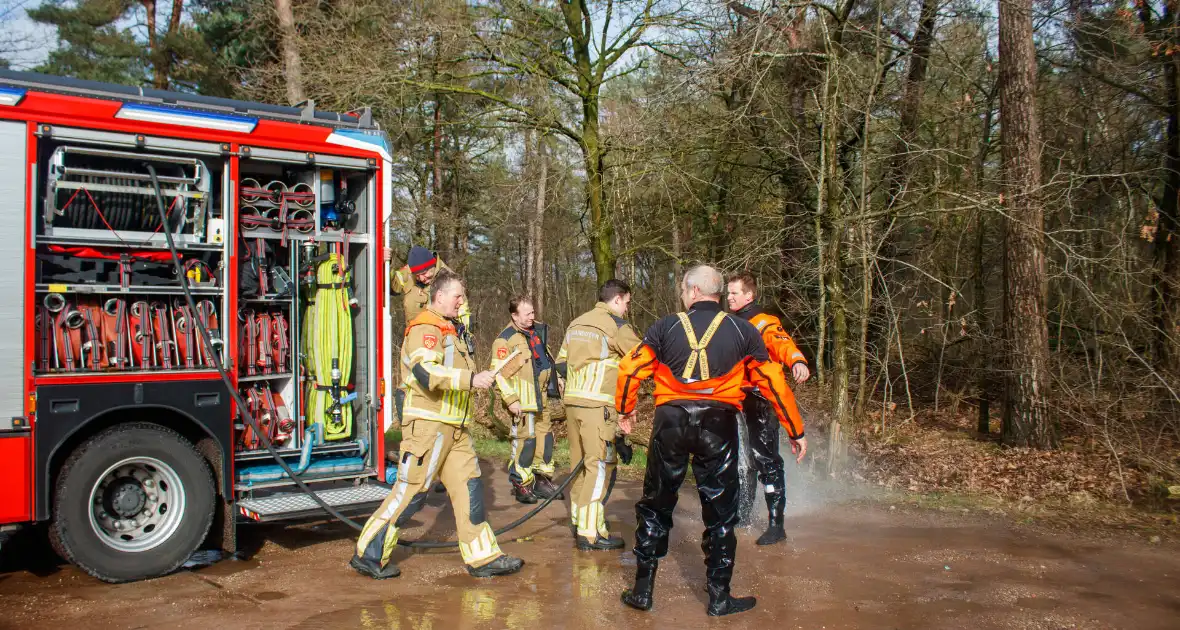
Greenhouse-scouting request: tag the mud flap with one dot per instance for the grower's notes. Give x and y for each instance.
(747, 473)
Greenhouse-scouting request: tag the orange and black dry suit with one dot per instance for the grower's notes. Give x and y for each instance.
(699, 361)
(761, 418)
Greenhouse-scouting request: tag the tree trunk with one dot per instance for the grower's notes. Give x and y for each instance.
(528, 165)
(601, 231)
(436, 193)
(985, 347)
(159, 78)
(591, 73)
(833, 222)
(292, 64)
(1026, 409)
(901, 165)
(979, 299)
(1166, 242)
(538, 223)
(911, 103)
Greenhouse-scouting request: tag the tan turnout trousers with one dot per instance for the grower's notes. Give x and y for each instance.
(592, 433)
(429, 451)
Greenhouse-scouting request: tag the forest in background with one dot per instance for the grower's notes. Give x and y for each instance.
(966, 212)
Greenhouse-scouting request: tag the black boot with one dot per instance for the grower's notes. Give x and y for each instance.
(504, 565)
(523, 493)
(544, 488)
(600, 544)
(373, 570)
(639, 596)
(775, 532)
(722, 603)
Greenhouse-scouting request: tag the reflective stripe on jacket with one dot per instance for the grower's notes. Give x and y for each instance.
(520, 380)
(437, 369)
(589, 356)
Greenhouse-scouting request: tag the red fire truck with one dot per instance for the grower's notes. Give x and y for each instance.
(116, 426)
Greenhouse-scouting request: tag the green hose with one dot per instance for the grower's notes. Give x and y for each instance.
(328, 340)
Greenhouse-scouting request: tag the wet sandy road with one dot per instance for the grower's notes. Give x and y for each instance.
(849, 567)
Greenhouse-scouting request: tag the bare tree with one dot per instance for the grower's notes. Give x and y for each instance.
(292, 63)
(1026, 409)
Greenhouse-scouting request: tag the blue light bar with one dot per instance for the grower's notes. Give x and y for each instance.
(187, 118)
(11, 96)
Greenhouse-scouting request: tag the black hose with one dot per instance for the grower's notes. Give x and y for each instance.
(207, 340)
(426, 544)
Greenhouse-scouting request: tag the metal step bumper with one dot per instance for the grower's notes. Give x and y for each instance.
(295, 505)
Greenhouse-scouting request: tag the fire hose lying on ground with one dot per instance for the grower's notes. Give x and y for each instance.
(207, 340)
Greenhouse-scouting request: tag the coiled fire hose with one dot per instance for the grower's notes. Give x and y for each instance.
(249, 418)
(328, 342)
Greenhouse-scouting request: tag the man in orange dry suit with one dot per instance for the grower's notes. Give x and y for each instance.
(700, 359)
(742, 291)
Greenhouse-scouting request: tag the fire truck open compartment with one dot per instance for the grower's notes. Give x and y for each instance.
(108, 295)
(293, 218)
(131, 443)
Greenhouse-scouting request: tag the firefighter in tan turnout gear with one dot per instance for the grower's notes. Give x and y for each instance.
(412, 282)
(523, 366)
(589, 360)
(438, 376)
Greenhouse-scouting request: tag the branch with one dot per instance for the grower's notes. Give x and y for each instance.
(530, 117)
(1129, 89)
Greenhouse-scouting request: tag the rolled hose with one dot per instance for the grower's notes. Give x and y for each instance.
(54, 302)
(207, 340)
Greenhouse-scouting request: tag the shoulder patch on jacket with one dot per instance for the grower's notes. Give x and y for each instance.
(507, 333)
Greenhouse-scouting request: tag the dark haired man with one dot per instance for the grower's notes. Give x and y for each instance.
(523, 366)
(742, 291)
(438, 376)
(589, 360)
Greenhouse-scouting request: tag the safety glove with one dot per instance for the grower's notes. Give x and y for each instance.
(624, 449)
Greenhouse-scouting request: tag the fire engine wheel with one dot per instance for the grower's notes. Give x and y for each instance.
(133, 502)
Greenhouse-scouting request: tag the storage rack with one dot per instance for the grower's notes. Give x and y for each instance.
(258, 174)
(101, 249)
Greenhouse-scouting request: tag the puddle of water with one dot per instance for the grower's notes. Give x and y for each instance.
(203, 558)
(217, 563)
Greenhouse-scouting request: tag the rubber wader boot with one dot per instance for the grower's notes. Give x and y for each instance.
(722, 603)
(504, 565)
(774, 531)
(373, 570)
(639, 596)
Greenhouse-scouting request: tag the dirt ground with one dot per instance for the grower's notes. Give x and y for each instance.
(850, 565)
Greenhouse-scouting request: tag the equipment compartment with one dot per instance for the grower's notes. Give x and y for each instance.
(105, 195)
(81, 332)
(295, 226)
(276, 202)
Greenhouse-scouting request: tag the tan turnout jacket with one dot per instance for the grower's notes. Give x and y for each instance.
(589, 356)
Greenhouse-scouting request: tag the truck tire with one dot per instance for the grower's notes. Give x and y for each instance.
(131, 503)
